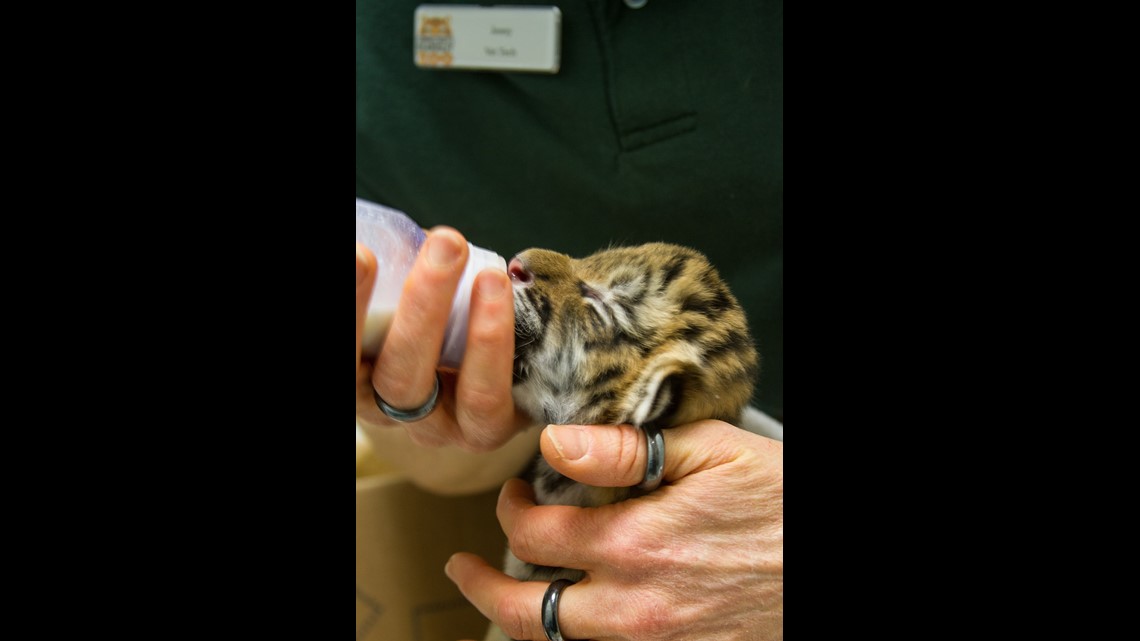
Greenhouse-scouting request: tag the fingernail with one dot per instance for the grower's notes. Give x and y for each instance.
(571, 442)
(361, 272)
(447, 568)
(491, 286)
(443, 250)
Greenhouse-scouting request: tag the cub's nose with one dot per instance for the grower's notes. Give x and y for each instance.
(520, 274)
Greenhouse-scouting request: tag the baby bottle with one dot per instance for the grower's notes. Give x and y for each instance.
(395, 239)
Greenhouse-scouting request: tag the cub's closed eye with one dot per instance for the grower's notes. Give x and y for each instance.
(594, 298)
(589, 292)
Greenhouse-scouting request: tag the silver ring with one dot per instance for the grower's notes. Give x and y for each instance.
(412, 415)
(550, 609)
(655, 462)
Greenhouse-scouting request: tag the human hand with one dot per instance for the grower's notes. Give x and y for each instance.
(475, 410)
(699, 558)
(365, 279)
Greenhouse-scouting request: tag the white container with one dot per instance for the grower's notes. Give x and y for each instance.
(396, 239)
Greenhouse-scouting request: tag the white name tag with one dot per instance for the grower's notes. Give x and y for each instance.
(506, 38)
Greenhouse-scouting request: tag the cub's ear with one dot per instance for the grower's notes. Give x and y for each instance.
(665, 399)
(659, 391)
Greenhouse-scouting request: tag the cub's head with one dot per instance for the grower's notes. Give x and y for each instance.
(641, 335)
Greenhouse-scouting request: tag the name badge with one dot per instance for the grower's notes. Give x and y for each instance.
(506, 38)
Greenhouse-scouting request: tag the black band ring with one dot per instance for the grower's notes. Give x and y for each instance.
(412, 415)
(655, 462)
(550, 609)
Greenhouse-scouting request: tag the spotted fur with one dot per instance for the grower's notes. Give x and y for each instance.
(646, 335)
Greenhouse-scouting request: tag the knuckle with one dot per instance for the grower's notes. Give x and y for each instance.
(624, 545)
(522, 538)
(770, 449)
(647, 618)
(490, 334)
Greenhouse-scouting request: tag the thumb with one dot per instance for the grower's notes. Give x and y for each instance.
(365, 276)
(616, 456)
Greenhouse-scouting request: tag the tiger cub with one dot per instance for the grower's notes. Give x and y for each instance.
(646, 335)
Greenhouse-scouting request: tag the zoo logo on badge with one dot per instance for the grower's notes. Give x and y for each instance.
(434, 42)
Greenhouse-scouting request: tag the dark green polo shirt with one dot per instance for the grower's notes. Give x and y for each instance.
(664, 123)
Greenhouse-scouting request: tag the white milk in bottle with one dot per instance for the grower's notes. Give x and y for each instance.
(396, 239)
